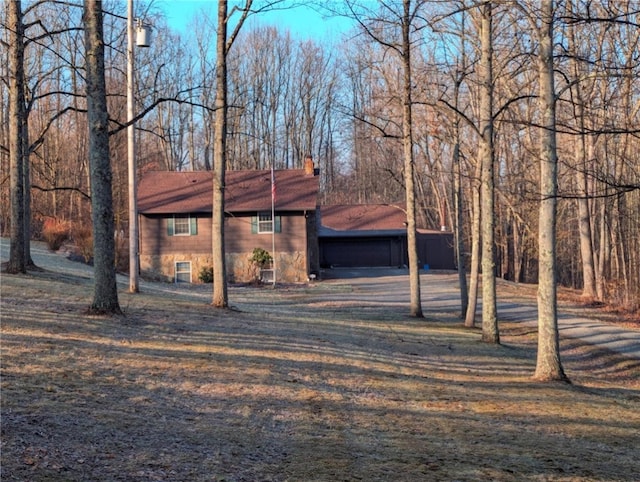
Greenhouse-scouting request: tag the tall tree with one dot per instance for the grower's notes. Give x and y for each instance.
(17, 112)
(223, 44)
(458, 206)
(581, 160)
(474, 276)
(383, 28)
(409, 13)
(490, 331)
(548, 365)
(220, 294)
(105, 300)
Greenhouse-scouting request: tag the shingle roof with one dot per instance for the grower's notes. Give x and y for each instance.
(363, 217)
(163, 192)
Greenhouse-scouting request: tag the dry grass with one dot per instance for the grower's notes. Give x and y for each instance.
(294, 385)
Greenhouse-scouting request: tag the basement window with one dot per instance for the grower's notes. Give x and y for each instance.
(183, 272)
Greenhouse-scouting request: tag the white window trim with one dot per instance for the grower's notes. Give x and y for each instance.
(270, 221)
(175, 224)
(176, 272)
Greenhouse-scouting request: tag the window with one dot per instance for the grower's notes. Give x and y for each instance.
(263, 223)
(182, 225)
(183, 272)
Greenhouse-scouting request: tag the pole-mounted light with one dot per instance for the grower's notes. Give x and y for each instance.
(143, 39)
(143, 33)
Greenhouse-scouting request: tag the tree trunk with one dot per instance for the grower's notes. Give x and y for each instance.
(220, 296)
(459, 227)
(105, 299)
(603, 252)
(584, 222)
(517, 250)
(409, 165)
(490, 332)
(582, 159)
(476, 239)
(548, 365)
(458, 191)
(26, 189)
(17, 256)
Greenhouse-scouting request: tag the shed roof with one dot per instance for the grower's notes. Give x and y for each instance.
(164, 192)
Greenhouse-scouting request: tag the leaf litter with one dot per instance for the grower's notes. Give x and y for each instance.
(295, 385)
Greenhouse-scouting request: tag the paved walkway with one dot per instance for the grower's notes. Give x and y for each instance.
(616, 338)
(391, 288)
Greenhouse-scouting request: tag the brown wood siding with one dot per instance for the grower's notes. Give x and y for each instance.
(155, 241)
(240, 239)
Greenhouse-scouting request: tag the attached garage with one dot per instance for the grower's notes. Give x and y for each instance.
(375, 236)
(363, 251)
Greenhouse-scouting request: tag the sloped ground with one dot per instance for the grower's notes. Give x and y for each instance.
(299, 383)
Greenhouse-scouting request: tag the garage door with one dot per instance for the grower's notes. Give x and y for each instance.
(359, 253)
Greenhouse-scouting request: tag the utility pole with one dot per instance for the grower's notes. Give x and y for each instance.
(142, 41)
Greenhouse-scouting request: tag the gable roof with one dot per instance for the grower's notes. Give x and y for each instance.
(167, 192)
(345, 219)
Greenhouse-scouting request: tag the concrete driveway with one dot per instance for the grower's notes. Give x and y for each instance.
(440, 293)
(390, 287)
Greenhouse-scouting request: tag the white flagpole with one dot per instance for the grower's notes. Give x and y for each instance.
(273, 224)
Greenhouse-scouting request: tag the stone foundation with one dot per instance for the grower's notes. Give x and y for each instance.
(290, 267)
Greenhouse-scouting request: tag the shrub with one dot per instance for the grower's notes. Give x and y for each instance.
(261, 257)
(206, 274)
(55, 232)
(82, 237)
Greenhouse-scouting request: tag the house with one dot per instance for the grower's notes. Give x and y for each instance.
(175, 216)
(174, 210)
(375, 235)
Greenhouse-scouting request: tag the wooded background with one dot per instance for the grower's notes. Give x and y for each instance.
(339, 100)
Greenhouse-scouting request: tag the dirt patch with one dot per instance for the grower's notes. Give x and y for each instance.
(301, 383)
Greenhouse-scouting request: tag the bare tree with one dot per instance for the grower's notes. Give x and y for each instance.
(409, 14)
(220, 295)
(490, 331)
(458, 194)
(394, 28)
(17, 123)
(579, 90)
(284, 97)
(459, 108)
(283, 93)
(482, 184)
(105, 300)
(597, 109)
(548, 365)
(223, 44)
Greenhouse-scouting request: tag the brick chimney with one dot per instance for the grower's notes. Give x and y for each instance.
(308, 166)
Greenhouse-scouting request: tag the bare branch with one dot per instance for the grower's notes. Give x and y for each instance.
(62, 188)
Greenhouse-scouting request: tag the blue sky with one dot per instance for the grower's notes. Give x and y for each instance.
(301, 21)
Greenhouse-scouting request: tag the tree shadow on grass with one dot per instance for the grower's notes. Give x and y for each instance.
(180, 391)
